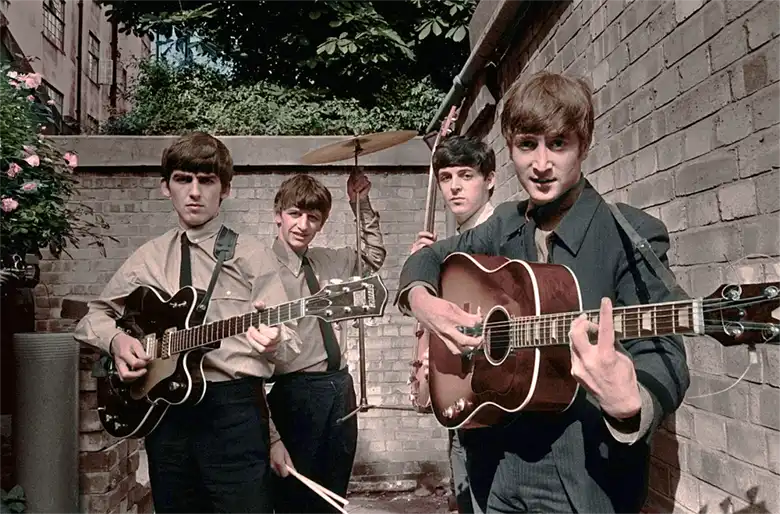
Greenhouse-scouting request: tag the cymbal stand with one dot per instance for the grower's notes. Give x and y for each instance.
(363, 405)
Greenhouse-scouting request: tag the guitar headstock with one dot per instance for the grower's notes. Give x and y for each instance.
(743, 314)
(349, 299)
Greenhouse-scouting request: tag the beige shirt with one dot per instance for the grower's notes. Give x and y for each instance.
(249, 276)
(477, 218)
(327, 264)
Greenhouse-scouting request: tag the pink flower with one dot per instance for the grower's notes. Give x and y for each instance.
(14, 83)
(9, 204)
(33, 160)
(29, 186)
(32, 80)
(72, 159)
(14, 170)
(12, 74)
(31, 98)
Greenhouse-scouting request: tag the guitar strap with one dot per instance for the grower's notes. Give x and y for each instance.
(224, 249)
(646, 251)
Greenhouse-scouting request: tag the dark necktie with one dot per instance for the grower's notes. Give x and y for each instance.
(185, 272)
(328, 336)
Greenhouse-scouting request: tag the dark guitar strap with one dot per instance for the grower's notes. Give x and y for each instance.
(641, 245)
(224, 249)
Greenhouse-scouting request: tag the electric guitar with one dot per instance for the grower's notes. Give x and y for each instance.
(169, 333)
(524, 362)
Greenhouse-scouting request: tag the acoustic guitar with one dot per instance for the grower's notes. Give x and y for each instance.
(524, 361)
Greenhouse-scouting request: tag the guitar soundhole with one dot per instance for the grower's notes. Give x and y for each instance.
(497, 335)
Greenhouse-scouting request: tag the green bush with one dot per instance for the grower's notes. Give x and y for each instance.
(172, 99)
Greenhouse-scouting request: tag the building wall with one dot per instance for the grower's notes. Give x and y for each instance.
(687, 128)
(59, 65)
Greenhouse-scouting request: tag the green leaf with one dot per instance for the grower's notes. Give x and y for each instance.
(461, 33)
(315, 15)
(425, 31)
(436, 28)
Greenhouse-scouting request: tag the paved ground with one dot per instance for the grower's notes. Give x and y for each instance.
(396, 503)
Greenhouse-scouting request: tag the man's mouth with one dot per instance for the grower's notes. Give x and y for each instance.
(542, 180)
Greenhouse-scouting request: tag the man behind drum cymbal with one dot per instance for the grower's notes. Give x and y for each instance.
(594, 456)
(465, 171)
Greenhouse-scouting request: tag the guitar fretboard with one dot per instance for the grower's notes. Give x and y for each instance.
(188, 339)
(683, 318)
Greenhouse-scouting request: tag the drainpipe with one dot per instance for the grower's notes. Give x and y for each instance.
(502, 17)
(112, 94)
(79, 60)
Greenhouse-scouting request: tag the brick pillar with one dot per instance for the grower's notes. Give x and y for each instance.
(107, 465)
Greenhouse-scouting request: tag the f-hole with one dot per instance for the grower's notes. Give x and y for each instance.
(497, 335)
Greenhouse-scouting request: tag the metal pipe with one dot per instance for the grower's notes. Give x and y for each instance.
(501, 18)
(79, 60)
(112, 94)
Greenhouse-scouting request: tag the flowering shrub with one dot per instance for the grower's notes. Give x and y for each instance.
(36, 178)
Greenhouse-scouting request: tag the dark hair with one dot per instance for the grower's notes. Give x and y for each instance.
(458, 150)
(550, 104)
(303, 192)
(198, 152)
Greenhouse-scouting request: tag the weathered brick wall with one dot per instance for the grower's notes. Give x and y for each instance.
(686, 96)
(395, 448)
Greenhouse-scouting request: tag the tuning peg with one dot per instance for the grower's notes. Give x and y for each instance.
(335, 281)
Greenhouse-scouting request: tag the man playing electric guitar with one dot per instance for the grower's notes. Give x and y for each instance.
(593, 456)
(213, 456)
(465, 171)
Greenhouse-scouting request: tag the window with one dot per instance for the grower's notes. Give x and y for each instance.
(54, 21)
(93, 65)
(55, 96)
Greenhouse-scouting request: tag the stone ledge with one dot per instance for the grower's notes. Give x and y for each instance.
(146, 151)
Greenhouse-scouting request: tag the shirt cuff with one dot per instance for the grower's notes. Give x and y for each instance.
(628, 431)
(403, 296)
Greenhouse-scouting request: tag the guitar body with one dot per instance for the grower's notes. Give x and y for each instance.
(134, 409)
(476, 390)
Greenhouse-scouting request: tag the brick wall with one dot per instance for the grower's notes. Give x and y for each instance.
(396, 449)
(687, 110)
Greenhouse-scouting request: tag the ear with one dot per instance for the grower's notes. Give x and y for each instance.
(278, 219)
(490, 180)
(164, 189)
(225, 192)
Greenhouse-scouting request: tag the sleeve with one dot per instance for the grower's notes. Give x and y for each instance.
(423, 266)
(371, 241)
(98, 328)
(660, 363)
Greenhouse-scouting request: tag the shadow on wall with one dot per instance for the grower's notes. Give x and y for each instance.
(726, 506)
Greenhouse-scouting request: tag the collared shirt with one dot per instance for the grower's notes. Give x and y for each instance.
(327, 264)
(482, 214)
(249, 276)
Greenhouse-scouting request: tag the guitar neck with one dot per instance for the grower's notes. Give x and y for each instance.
(684, 317)
(202, 335)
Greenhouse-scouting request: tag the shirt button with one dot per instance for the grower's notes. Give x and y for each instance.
(228, 293)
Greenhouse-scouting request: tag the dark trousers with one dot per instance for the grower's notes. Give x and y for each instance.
(305, 407)
(213, 457)
(511, 469)
(460, 478)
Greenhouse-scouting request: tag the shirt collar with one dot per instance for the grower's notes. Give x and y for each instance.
(286, 256)
(478, 217)
(206, 231)
(574, 225)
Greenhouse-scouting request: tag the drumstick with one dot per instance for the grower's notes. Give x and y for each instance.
(325, 493)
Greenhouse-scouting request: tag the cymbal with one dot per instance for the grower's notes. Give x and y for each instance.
(366, 144)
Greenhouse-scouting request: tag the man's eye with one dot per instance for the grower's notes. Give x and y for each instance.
(559, 143)
(526, 144)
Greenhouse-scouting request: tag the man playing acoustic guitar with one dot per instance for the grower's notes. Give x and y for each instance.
(594, 455)
(465, 171)
(213, 456)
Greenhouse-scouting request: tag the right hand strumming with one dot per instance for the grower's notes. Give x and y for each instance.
(443, 318)
(130, 358)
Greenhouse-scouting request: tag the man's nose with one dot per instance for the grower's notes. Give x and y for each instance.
(542, 157)
(194, 189)
(456, 185)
